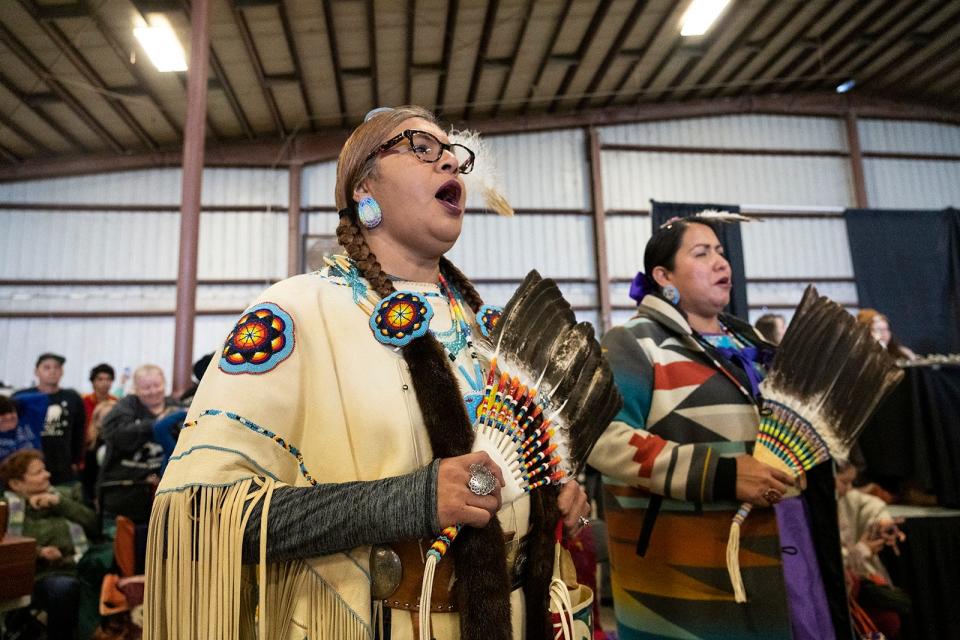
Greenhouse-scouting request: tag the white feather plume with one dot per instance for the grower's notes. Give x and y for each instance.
(485, 178)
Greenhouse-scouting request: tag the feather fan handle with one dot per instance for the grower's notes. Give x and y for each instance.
(828, 376)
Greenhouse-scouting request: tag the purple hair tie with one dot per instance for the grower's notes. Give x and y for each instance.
(640, 286)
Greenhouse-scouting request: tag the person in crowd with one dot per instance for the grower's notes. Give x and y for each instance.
(21, 422)
(866, 528)
(880, 329)
(365, 425)
(101, 379)
(61, 527)
(62, 437)
(132, 459)
(675, 464)
(771, 326)
(199, 368)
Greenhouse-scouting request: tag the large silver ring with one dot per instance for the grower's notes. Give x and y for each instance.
(584, 521)
(772, 496)
(482, 481)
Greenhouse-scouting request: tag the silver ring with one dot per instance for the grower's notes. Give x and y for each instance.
(772, 496)
(482, 481)
(584, 521)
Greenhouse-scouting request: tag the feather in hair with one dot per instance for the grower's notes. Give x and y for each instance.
(485, 178)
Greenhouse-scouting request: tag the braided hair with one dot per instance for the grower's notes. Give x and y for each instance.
(479, 552)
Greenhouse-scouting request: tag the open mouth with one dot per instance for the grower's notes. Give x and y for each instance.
(725, 282)
(449, 194)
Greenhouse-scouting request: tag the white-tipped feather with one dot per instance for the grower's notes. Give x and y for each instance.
(485, 178)
(715, 215)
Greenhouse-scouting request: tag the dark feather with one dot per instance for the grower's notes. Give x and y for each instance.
(830, 370)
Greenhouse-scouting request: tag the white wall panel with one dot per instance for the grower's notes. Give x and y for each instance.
(322, 223)
(317, 184)
(627, 237)
(540, 170)
(631, 179)
(246, 187)
(129, 245)
(912, 184)
(559, 246)
(792, 247)
(779, 295)
(153, 186)
(121, 342)
(743, 131)
(909, 137)
(124, 298)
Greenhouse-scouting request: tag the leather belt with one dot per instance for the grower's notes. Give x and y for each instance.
(412, 555)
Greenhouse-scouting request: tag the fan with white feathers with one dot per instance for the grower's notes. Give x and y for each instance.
(548, 397)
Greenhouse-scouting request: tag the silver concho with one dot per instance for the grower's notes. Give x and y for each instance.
(482, 481)
(385, 572)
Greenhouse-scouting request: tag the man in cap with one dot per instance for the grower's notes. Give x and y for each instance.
(62, 435)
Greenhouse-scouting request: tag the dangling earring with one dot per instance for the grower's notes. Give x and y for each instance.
(368, 210)
(672, 294)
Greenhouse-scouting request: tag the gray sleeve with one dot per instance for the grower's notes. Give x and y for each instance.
(304, 522)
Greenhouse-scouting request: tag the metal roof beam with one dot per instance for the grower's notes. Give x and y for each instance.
(335, 59)
(616, 49)
(585, 43)
(123, 55)
(247, 37)
(80, 63)
(297, 69)
(372, 49)
(558, 25)
(24, 135)
(481, 60)
(453, 7)
(24, 98)
(39, 69)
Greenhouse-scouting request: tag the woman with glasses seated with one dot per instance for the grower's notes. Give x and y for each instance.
(329, 441)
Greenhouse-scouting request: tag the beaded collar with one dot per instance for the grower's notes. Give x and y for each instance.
(405, 315)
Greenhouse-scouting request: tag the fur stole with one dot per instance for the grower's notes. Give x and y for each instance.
(482, 587)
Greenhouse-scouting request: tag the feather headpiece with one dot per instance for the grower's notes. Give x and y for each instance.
(549, 395)
(828, 376)
(713, 215)
(485, 178)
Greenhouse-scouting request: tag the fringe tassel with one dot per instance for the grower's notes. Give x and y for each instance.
(560, 602)
(733, 553)
(426, 595)
(197, 586)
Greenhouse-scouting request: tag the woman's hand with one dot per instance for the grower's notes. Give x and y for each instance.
(574, 507)
(50, 554)
(456, 503)
(760, 484)
(43, 500)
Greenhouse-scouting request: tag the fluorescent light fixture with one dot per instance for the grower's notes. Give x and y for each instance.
(700, 15)
(161, 44)
(843, 87)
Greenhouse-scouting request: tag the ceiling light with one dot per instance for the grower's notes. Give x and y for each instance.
(700, 15)
(843, 87)
(161, 44)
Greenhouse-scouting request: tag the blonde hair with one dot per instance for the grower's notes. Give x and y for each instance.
(144, 369)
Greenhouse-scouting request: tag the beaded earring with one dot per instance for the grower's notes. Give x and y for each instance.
(368, 210)
(672, 294)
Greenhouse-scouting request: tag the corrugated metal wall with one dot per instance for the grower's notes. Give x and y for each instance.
(72, 240)
(804, 244)
(545, 175)
(911, 184)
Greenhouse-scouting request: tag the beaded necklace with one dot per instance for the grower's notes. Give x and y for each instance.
(462, 337)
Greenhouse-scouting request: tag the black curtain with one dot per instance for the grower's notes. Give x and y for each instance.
(729, 235)
(907, 267)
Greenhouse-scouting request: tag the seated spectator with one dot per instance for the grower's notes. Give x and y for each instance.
(60, 525)
(866, 527)
(880, 329)
(101, 378)
(62, 437)
(132, 458)
(771, 326)
(21, 422)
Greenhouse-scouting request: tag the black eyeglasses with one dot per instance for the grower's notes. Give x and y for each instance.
(428, 148)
